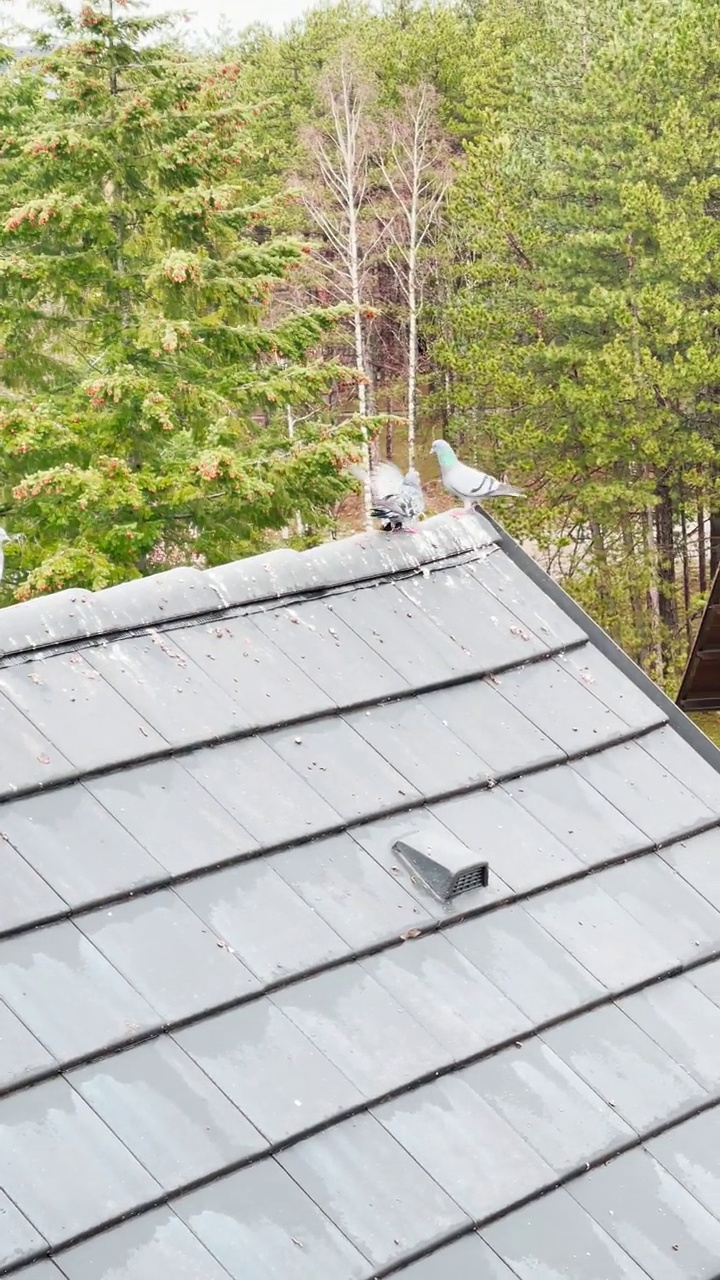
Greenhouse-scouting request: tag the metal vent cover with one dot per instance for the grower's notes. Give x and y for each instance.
(445, 866)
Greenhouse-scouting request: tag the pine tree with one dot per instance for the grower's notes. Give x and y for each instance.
(143, 391)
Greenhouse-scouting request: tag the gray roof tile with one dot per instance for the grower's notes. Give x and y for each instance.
(696, 860)
(360, 900)
(21, 1054)
(644, 791)
(27, 757)
(167, 688)
(530, 604)
(596, 672)
(25, 898)
(446, 994)
(268, 686)
(559, 1115)
(364, 1032)
(48, 1133)
(77, 847)
(584, 820)
(268, 926)
(46, 619)
(562, 708)
(525, 962)
(519, 849)
(261, 577)
(404, 635)
(155, 1246)
(68, 701)
(604, 937)
(462, 1142)
(18, 1237)
(455, 601)
(675, 914)
(665, 1229)
(677, 756)
(268, 798)
(468, 1258)
(369, 1186)
(269, 1069)
(684, 1022)
(416, 743)
(707, 980)
(557, 1239)
(499, 733)
(691, 1153)
(643, 1083)
(331, 653)
(260, 1225)
(342, 768)
(42, 1271)
(67, 994)
(168, 954)
(167, 1112)
(180, 824)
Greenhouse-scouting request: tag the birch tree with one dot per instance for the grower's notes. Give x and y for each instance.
(336, 197)
(415, 161)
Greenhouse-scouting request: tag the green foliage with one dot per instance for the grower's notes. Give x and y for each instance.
(143, 387)
(585, 321)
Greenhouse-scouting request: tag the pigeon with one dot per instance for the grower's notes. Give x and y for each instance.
(6, 537)
(467, 483)
(396, 498)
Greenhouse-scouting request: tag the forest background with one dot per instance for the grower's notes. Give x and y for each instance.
(225, 272)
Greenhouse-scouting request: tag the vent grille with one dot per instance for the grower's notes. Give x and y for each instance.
(474, 878)
(444, 865)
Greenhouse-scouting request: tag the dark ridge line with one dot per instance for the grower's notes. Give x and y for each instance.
(365, 953)
(157, 1202)
(343, 827)
(255, 731)
(632, 1144)
(227, 612)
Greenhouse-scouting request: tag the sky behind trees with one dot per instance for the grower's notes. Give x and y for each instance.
(206, 16)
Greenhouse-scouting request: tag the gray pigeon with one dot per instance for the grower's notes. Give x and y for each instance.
(5, 537)
(465, 482)
(397, 498)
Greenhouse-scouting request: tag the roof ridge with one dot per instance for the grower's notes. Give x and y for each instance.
(76, 614)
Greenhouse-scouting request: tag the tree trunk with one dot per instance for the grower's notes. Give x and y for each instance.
(360, 364)
(686, 575)
(667, 601)
(714, 542)
(412, 358)
(702, 549)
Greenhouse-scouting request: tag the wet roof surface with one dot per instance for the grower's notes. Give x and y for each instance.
(240, 1039)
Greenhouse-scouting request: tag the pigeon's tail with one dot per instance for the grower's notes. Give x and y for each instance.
(386, 513)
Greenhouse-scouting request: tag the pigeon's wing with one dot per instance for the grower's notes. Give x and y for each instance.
(386, 480)
(413, 495)
(467, 482)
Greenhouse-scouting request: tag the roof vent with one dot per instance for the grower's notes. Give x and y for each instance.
(445, 866)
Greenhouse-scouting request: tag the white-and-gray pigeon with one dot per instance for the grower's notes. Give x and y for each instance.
(6, 537)
(397, 499)
(467, 483)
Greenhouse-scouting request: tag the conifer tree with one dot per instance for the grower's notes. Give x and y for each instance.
(142, 389)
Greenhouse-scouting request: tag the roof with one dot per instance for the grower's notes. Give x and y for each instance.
(700, 686)
(240, 1040)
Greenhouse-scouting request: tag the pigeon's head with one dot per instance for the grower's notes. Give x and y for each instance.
(443, 453)
(412, 477)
